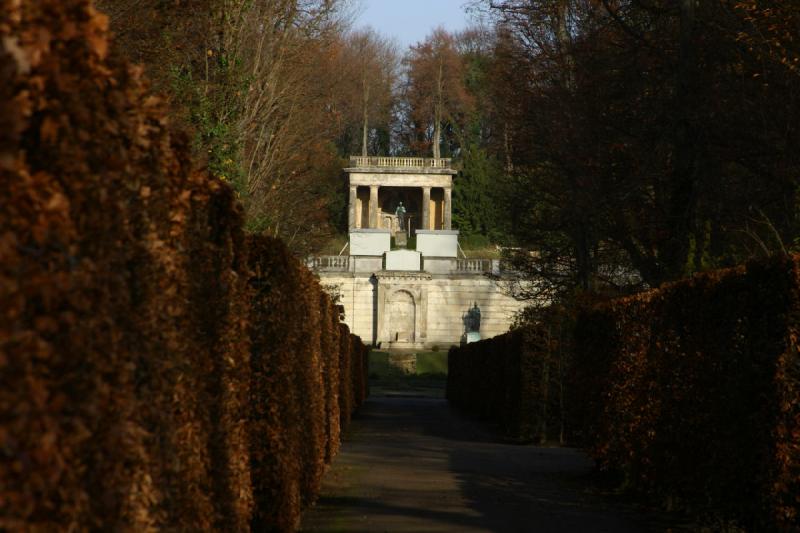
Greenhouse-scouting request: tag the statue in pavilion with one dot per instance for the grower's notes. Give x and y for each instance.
(400, 213)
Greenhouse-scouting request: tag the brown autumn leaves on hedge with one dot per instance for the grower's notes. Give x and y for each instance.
(690, 392)
(693, 391)
(514, 380)
(156, 372)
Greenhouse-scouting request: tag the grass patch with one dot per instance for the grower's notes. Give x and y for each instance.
(379, 366)
(429, 378)
(479, 247)
(491, 252)
(432, 364)
(335, 245)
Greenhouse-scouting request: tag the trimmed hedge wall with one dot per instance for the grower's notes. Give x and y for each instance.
(159, 369)
(513, 380)
(295, 400)
(691, 392)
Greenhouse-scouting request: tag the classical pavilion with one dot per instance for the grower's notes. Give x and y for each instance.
(379, 184)
(417, 293)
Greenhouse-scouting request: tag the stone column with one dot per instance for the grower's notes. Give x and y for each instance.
(373, 206)
(448, 208)
(352, 212)
(426, 208)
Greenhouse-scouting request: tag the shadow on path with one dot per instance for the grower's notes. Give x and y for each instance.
(409, 463)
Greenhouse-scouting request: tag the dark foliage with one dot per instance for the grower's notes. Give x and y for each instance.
(515, 380)
(689, 393)
(693, 392)
(139, 368)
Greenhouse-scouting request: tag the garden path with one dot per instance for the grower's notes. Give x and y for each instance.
(409, 463)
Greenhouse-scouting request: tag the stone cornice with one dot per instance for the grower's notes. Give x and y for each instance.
(400, 170)
(396, 275)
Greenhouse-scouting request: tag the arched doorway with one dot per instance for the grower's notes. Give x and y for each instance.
(402, 317)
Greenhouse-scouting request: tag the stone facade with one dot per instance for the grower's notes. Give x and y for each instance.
(411, 299)
(376, 307)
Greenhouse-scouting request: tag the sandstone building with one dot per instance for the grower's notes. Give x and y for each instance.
(403, 298)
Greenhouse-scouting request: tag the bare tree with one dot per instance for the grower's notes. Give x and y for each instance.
(435, 90)
(370, 64)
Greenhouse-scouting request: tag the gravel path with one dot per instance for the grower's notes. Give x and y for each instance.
(411, 464)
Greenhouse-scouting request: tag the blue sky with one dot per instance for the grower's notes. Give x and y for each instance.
(409, 21)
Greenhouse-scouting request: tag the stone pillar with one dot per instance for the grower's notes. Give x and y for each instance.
(426, 208)
(352, 207)
(373, 206)
(448, 208)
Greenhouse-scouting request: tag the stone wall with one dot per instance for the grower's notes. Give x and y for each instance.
(357, 294)
(441, 303)
(450, 299)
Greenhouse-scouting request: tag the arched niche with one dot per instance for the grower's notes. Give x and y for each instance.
(401, 310)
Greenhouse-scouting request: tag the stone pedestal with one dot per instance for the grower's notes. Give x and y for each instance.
(403, 260)
(473, 336)
(400, 239)
(370, 242)
(437, 243)
(406, 363)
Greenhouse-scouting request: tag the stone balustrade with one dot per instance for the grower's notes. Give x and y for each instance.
(474, 266)
(398, 162)
(330, 263)
(436, 265)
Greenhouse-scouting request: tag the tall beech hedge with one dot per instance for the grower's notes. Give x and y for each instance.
(690, 392)
(159, 369)
(514, 380)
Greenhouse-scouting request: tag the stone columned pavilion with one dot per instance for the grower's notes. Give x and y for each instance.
(402, 298)
(378, 184)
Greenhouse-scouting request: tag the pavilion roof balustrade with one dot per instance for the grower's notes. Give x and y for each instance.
(398, 162)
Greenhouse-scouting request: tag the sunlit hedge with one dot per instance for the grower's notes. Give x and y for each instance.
(158, 368)
(297, 358)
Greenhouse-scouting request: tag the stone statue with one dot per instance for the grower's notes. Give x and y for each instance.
(474, 318)
(400, 213)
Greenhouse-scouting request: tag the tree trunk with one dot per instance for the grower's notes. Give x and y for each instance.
(364, 151)
(437, 135)
(437, 114)
(365, 130)
(682, 190)
(507, 149)
(583, 255)
(565, 44)
(545, 387)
